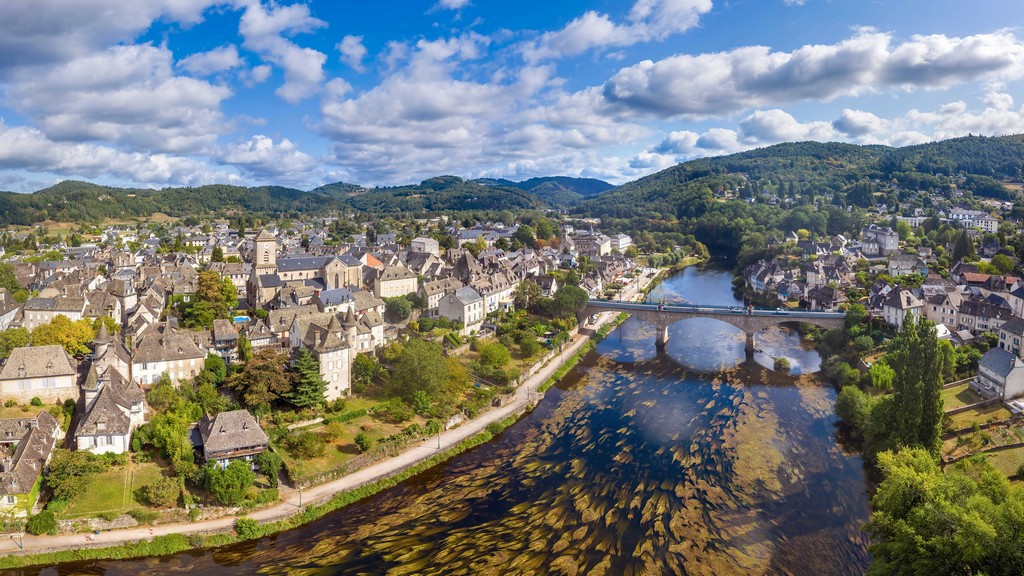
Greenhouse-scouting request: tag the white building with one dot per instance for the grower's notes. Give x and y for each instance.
(464, 305)
(425, 244)
(46, 372)
(620, 242)
(1000, 375)
(896, 306)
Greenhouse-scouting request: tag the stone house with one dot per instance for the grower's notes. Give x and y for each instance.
(46, 372)
(233, 435)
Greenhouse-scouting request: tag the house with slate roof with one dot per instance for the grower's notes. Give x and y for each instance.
(228, 436)
(46, 372)
(1000, 375)
(25, 448)
(464, 305)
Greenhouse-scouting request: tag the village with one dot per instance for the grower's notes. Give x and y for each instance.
(177, 374)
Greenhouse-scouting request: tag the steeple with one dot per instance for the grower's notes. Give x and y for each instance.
(350, 326)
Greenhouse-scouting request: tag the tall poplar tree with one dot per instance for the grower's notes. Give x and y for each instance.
(916, 414)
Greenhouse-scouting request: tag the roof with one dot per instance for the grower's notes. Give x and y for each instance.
(1000, 361)
(230, 431)
(1014, 326)
(166, 346)
(293, 264)
(224, 330)
(902, 300)
(37, 362)
(30, 456)
(265, 235)
(349, 260)
(468, 295)
(397, 272)
(336, 296)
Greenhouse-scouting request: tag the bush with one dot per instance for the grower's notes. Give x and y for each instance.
(394, 411)
(363, 442)
(426, 324)
(270, 465)
(229, 485)
(109, 516)
(163, 492)
(248, 529)
(1020, 471)
(10, 403)
(43, 523)
(305, 445)
(530, 347)
(782, 364)
(36, 401)
(263, 497)
(854, 407)
(193, 514)
(143, 516)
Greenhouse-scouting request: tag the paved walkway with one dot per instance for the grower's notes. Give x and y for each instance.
(290, 503)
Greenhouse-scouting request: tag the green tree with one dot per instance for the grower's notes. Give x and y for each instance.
(365, 369)
(113, 326)
(244, 348)
(217, 255)
(527, 295)
(215, 365)
(229, 485)
(525, 234)
(494, 355)
(363, 442)
(212, 300)
(569, 301)
(1002, 263)
(263, 381)
(881, 376)
(12, 338)
(43, 523)
(398, 308)
(68, 472)
(948, 354)
(309, 388)
(270, 465)
(164, 492)
(966, 520)
(422, 365)
(854, 407)
(9, 280)
(917, 385)
(964, 249)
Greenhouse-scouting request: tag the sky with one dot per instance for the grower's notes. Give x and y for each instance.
(156, 93)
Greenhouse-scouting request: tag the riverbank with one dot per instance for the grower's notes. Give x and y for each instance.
(301, 506)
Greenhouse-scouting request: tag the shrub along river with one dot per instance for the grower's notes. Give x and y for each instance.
(693, 460)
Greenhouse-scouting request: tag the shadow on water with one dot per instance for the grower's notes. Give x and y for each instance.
(696, 460)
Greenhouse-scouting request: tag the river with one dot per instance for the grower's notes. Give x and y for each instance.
(689, 461)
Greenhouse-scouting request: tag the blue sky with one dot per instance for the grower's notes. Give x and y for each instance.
(161, 93)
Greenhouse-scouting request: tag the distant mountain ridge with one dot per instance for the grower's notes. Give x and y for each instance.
(555, 190)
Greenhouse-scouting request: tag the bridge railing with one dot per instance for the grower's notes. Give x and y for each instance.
(716, 309)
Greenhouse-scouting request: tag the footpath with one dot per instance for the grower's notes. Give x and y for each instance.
(293, 500)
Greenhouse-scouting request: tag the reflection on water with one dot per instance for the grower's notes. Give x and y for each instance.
(635, 465)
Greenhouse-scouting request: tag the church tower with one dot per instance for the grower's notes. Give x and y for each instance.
(265, 254)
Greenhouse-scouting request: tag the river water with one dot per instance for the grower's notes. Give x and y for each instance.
(689, 461)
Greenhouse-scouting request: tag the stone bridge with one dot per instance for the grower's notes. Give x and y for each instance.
(749, 320)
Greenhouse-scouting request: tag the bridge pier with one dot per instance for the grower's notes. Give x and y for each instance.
(661, 340)
(750, 345)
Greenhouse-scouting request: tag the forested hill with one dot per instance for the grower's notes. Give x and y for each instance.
(810, 185)
(73, 201)
(557, 191)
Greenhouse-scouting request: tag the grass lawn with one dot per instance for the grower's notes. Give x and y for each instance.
(959, 396)
(982, 416)
(112, 491)
(344, 448)
(1007, 461)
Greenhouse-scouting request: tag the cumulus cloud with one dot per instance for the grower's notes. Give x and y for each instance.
(45, 32)
(452, 4)
(125, 95)
(29, 149)
(260, 158)
(352, 52)
(647, 20)
(263, 31)
(216, 60)
(748, 77)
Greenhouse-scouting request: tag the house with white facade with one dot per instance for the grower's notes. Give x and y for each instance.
(465, 305)
(46, 372)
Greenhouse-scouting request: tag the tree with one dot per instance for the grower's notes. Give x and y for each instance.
(9, 280)
(881, 376)
(263, 381)
(525, 235)
(917, 385)
(69, 471)
(569, 301)
(528, 293)
(948, 354)
(365, 369)
(1002, 263)
(964, 249)
(494, 355)
(229, 485)
(244, 348)
(966, 520)
(305, 445)
(43, 523)
(422, 366)
(398, 308)
(270, 465)
(217, 255)
(854, 407)
(12, 338)
(163, 492)
(213, 298)
(214, 364)
(363, 442)
(309, 388)
(73, 336)
(113, 326)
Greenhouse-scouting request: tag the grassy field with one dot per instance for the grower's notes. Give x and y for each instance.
(1007, 461)
(112, 491)
(981, 416)
(959, 396)
(342, 449)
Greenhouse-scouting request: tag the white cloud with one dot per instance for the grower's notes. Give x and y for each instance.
(647, 20)
(55, 31)
(216, 60)
(263, 33)
(29, 149)
(257, 75)
(779, 126)
(452, 4)
(724, 82)
(352, 52)
(259, 158)
(857, 123)
(127, 95)
(795, 2)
